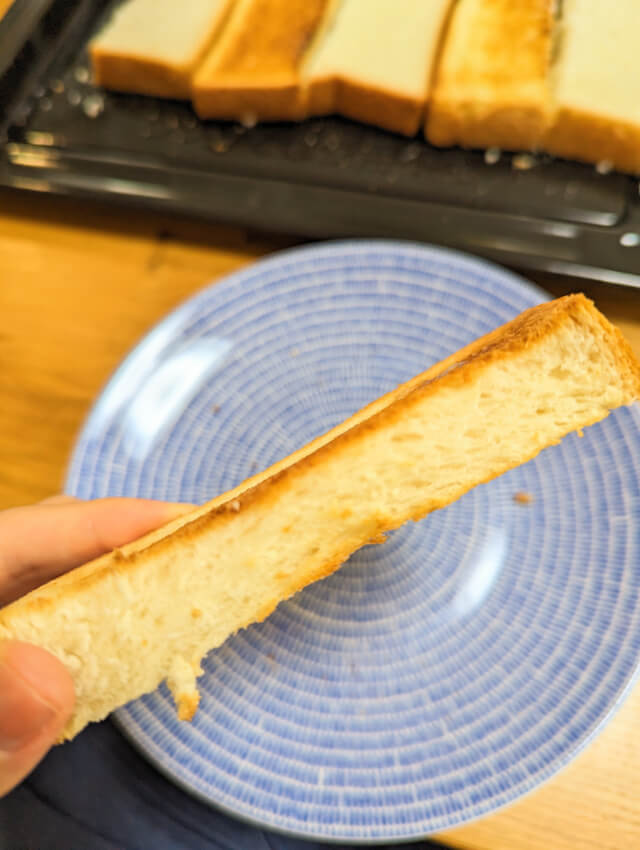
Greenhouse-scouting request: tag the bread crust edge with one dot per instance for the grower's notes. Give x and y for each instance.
(126, 72)
(511, 125)
(524, 331)
(591, 138)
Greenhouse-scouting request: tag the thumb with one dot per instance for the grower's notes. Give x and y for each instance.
(36, 699)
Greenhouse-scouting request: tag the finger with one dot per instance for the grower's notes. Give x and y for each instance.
(36, 700)
(39, 542)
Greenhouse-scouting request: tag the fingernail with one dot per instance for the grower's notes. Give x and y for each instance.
(25, 711)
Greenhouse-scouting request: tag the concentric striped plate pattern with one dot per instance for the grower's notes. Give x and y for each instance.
(432, 679)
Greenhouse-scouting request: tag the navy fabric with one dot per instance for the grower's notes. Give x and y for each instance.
(98, 793)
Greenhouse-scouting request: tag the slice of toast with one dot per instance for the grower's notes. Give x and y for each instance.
(252, 72)
(180, 591)
(596, 84)
(153, 46)
(491, 86)
(374, 62)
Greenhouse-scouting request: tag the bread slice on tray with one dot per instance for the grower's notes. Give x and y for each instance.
(152, 47)
(149, 612)
(491, 87)
(374, 61)
(596, 84)
(252, 72)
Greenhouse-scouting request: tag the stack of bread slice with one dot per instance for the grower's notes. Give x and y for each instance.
(514, 74)
(371, 60)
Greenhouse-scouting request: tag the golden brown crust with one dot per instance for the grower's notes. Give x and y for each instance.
(511, 126)
(274, 99)
(139, 75)
(522, 333)
(490, 87)
(463, 366)
(387, 109)
(320, 96)
(383, 108)
(593, 138)
(254, 68)
(143, 75)
(269, 36)
(187, 705)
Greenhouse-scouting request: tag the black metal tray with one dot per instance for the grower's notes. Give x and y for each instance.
(322, 178)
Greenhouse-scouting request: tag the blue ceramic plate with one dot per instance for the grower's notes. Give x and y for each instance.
(435, 678)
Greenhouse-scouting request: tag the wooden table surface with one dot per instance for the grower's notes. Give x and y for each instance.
(79, 285)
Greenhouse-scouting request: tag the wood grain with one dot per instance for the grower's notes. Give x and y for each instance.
(77, 291)
(79, 286)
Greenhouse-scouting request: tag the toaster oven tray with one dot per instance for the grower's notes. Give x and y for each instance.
(323, 178)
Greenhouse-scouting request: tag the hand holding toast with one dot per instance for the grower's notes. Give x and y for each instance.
(40, 542)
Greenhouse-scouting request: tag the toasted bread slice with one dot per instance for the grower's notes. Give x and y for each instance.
(492, 81)
(596, 84)
(252, 73)
(374, 62)
(178, 592)
(153, 46)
